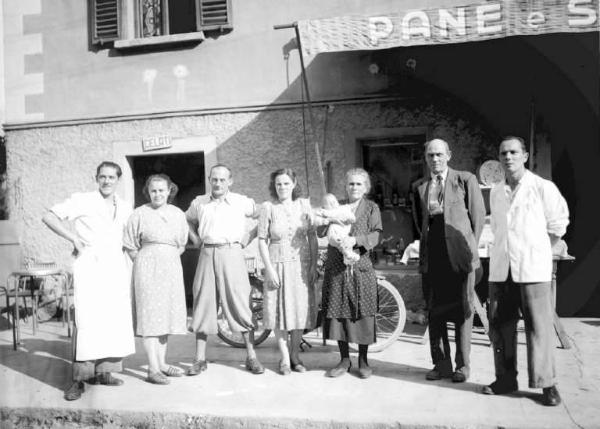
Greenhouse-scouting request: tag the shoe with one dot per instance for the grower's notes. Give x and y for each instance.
(500, 388)
(298, 367)
(460, 375)
(365, 371)
(436, 374)
(157, 378)
(172, 371)
(340, 369)
(550, 396)
(106, 379)
(197, 367)
(74, 392)
(254, 366)
(284, 368)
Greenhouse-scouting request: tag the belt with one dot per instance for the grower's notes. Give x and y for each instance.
(228, 245)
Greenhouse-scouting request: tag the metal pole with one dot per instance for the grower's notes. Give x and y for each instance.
(308, 102)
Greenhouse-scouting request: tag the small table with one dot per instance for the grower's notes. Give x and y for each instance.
(21, 277)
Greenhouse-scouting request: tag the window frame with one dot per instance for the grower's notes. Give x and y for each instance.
(128, 17)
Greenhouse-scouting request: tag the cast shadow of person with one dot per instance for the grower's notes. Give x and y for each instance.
(48, 361)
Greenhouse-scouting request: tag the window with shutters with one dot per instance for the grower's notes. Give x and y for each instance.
(131, 23)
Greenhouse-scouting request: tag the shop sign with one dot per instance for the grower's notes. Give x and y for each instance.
(480, 20)
(156, 143)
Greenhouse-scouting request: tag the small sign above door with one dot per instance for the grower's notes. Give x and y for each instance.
(156, 143)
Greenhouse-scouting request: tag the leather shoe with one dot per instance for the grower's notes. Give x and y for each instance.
(254, 366)
(365, 371)
(74, 392)
(298, 367)
(436, 374)
(550, 396)
(106, 379)
(340, 369)
(460, 375)
(500, 388)
(197, 367)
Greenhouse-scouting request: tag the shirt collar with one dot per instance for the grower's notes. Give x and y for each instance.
(519, 181)
(444, 175)
(226, 198)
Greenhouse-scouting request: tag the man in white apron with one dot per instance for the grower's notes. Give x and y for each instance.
(101, 277)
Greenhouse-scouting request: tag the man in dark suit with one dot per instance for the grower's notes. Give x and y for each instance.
(449, 208)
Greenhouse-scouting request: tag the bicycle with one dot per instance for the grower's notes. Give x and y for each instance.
(390, 318)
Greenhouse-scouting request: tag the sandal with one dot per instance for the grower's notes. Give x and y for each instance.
(172, 371)
(157, 378)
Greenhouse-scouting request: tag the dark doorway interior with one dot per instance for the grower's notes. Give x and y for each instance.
(394, 163)
(186, 170)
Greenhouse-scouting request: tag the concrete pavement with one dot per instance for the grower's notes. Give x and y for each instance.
(32, 380)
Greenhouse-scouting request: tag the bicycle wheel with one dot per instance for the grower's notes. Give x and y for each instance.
(235, 339)
(390, 317)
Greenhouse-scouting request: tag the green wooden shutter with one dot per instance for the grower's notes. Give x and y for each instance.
(214, 15)
(105, 20)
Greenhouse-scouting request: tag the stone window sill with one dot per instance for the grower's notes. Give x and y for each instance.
(169, 39)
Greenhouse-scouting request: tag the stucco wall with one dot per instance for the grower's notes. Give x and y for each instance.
(45, 165)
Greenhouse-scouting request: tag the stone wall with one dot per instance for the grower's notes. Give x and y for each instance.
(45, 165)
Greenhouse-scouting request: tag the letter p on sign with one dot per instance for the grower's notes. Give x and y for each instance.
(380, 27)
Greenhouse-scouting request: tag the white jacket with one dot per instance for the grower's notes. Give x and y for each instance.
(521, 228)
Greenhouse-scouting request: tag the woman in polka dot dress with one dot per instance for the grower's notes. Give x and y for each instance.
(155, 237)
(350, 292)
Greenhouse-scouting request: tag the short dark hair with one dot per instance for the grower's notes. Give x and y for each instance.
(173, 188)
(519, 139)
(220, 166)
(296, 192)
(110, 164)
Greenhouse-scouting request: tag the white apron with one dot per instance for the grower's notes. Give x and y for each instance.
(101, 277)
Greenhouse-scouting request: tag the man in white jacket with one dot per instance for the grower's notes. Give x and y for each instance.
(528, 216)
(101, 278)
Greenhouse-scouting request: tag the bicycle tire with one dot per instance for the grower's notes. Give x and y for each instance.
(390, 318)
(235, 339)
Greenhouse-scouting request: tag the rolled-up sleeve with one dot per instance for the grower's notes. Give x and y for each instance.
(132, 234)
(191, 214)
(371, 239)
(68, 209)
(555, 210)
(250, 208)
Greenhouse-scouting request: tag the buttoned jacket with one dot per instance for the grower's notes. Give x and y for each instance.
(464, 217)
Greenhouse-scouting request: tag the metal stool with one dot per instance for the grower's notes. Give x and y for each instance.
(19, 280)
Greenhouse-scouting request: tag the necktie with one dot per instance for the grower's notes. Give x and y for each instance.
(440, 189)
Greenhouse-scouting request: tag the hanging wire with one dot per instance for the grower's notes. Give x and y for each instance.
(305, 141)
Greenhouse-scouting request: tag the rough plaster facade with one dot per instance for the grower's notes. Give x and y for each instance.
(45, 165)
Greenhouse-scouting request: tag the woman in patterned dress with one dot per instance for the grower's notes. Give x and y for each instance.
(288, 247)
(155, 237)
(350, 292)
